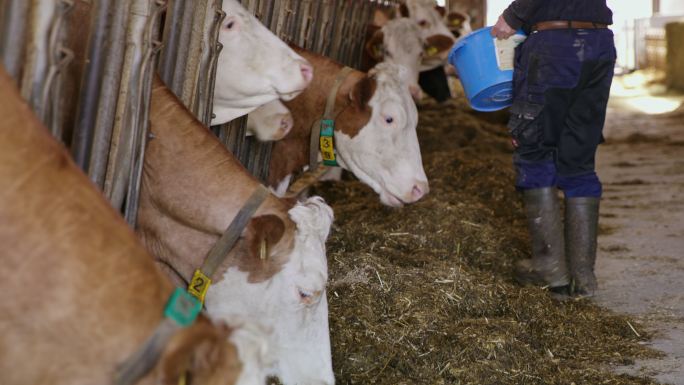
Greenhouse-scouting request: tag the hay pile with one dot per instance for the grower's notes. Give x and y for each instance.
(424, 295)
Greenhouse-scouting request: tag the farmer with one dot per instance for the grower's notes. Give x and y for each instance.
(562, 78)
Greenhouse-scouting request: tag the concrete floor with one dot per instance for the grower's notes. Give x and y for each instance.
(640, 263)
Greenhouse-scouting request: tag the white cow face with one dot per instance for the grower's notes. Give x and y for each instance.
(292, 303)
(400, 42)
(431, 23)
(254, 67)
(269, 122)
(385, 153)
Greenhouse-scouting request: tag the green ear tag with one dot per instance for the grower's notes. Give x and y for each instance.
(327, 142)
(182, 307)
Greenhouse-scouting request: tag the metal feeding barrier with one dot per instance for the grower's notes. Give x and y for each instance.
(86, 68)
(334, 28)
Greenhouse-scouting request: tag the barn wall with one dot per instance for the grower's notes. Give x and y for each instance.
(675, 55)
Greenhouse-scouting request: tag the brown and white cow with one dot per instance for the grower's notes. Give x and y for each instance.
(270, 122)
(458, 23)
(431, 22)
(400, 41)
(375, 131)
(192, 188)
(81, 294)
(255, 67)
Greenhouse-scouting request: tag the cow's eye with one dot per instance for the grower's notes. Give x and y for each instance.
(309, 297)
(389, 119)
(423, 23)
(230, 25)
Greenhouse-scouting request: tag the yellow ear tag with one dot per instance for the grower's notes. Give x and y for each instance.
(263, 250)
(431, 51)
(377, 51)
(456, 22)
(199, 285)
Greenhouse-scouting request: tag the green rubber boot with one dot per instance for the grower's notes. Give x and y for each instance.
(581, 230)
(548, 266)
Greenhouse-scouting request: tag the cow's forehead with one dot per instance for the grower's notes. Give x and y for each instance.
(403, 30)
(233, 8)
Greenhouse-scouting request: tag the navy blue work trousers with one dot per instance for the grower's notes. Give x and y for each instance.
(562, 80)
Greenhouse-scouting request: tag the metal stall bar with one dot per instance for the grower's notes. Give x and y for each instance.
(89, 89)
(173, 24)
(13, 35)
(59, 56)
(152, 48)
(204, 78)
(41, 16)
(109, 91)
(128, 123)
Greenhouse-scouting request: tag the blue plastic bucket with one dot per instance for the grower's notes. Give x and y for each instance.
(485, 68)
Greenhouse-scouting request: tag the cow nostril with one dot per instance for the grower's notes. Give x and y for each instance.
(420, 189)
(307, 72)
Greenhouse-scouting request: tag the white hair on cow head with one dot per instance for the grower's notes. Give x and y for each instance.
(404, 45)
(312, 215)
(251, 340)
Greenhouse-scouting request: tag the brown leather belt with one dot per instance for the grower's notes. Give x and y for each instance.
(567, 24)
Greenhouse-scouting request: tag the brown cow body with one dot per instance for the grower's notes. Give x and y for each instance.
(81, 294)
(193, 188)
(276, 274)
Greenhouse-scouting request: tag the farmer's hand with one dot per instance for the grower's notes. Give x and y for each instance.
(501, 30)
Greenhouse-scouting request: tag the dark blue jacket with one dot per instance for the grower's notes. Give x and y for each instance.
(525, 13)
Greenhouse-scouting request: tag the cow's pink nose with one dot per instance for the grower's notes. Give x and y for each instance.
(420, 189)
(307, 72)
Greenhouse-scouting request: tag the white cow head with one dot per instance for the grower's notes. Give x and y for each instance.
(292, 303)
(432, 25)
(400, 42)
(384, 153)
(254, 67)
(269, 122)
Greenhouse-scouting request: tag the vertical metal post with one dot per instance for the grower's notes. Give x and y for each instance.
(13, 35)
(109, 92)
(89, 95)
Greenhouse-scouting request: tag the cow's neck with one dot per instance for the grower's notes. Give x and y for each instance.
(291, 154)
(192, 188)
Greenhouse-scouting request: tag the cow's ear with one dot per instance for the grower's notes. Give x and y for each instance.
(201, 352)
(437, 44)
(403, 10)
(362, 92)
(441, 10)
(261, 234)
(374, 46)
(455, 20)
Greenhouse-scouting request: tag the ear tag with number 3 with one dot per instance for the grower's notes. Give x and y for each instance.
(327, 142)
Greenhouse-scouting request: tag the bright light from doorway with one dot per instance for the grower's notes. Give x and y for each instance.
(654, 105)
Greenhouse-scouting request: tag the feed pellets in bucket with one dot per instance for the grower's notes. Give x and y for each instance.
(485, 68)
